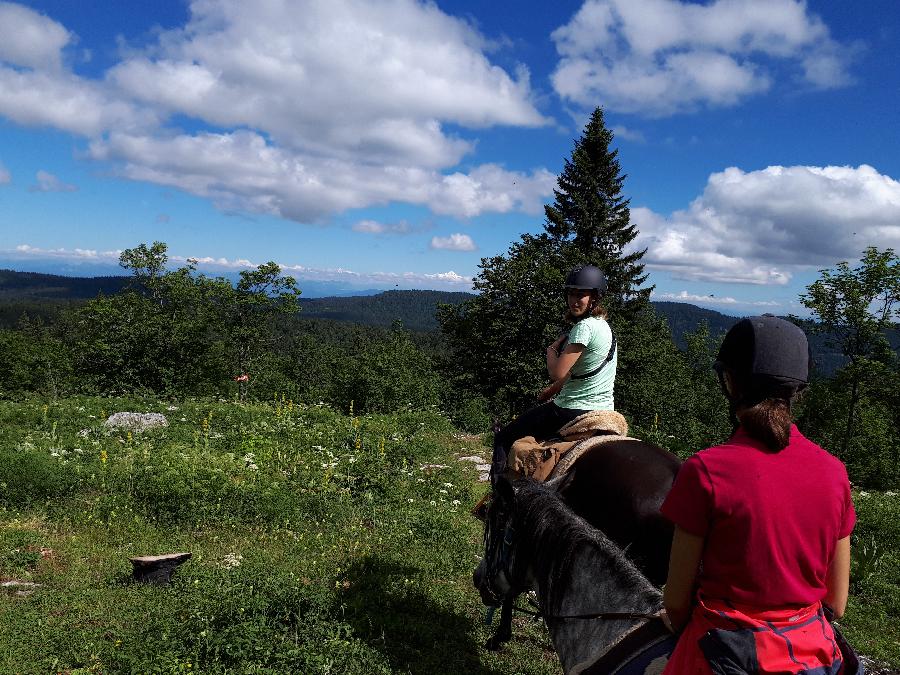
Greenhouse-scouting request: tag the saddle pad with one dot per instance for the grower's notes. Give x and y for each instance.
(644, 651)
(576, 451)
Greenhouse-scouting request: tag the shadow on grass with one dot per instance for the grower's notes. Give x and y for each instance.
(411, 628)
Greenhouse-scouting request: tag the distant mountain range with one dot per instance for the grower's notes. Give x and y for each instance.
(45, 294)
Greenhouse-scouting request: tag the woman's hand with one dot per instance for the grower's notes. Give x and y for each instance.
(556, 344)
(552, 390)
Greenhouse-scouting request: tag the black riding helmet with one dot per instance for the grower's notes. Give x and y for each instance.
(768, 356)
(586, 277)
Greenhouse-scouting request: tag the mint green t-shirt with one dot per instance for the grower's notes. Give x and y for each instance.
(595, 392)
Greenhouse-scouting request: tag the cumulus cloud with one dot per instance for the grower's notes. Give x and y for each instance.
(374, 227)
(357, 76)
(47, 182)
(243, 171)
(455, 242)
(660, 57)
(30, 39)
(310, 108)
(760, 227)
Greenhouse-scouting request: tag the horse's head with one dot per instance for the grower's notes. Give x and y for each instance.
(498, 575)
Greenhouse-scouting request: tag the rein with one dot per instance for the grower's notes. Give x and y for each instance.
(595, 615)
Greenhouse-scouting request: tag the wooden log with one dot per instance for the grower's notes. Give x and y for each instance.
(156, 569)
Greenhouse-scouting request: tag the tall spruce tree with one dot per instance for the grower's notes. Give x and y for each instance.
(591, 214)
(497, 340)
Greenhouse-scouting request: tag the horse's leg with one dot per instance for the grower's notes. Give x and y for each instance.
(504, 629)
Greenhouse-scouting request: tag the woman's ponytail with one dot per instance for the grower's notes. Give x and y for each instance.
(769, 422)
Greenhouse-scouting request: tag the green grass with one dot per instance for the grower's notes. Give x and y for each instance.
(319, 544)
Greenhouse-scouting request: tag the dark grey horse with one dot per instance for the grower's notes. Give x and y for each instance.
(590, 594)
(618, 488)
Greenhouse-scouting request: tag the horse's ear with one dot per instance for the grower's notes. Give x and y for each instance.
(504, 489)
(560, 484)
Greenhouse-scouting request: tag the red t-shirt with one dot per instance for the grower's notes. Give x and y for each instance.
(771, 520)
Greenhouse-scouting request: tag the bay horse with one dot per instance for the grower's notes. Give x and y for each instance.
(618, 488)
(600, 610)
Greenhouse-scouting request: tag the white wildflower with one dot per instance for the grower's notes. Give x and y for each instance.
(232, 560)
(456, 502)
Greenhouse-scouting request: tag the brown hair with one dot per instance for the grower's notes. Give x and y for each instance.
(768, 421)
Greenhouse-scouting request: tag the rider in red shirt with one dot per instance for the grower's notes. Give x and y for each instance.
(762, 524)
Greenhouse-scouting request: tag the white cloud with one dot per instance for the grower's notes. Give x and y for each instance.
(760, 227)
(47, 182)
(30, 39)
(241, 171)
(374, 227)
(5, 176)
(455, 242)
(660, 57)
(315, 107)
(375, 79)
(65, 101)
(449, 280)
(25, 250)
(684, 296)
(624, 133)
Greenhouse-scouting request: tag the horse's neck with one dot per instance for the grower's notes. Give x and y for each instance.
(592, 587)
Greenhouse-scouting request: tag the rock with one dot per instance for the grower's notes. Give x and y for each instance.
(136, 422)
(157, 569)
(19, 589)
(482, 467)
(472, 458)
(484, 477)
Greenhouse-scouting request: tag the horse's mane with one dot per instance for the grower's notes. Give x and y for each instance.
(557, 536)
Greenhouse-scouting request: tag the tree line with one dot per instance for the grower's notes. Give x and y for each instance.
(181, 333)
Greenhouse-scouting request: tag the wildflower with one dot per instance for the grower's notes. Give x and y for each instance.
(455, 502)
(433, 503)
(243, 377)
(448, 485)
(54, 454)
(103, 456)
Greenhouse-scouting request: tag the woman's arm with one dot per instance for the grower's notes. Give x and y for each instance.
(558, 366)
(838, 580)
(684, 561)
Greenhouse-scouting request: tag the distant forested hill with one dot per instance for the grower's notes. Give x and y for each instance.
(44, 295)
(684, 318)
(33, 285)
(415, 309)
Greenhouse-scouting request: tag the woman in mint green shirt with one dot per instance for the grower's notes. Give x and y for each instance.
(581, 364)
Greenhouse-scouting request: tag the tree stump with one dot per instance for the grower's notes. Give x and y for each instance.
(156, 569)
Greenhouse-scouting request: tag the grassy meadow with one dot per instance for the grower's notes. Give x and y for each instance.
(322, 541)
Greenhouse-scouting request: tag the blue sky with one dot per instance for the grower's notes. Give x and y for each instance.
(366, 144)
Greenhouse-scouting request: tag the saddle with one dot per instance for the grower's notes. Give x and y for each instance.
(542, 460)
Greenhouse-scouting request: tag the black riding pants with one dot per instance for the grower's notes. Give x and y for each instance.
(542, 422)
